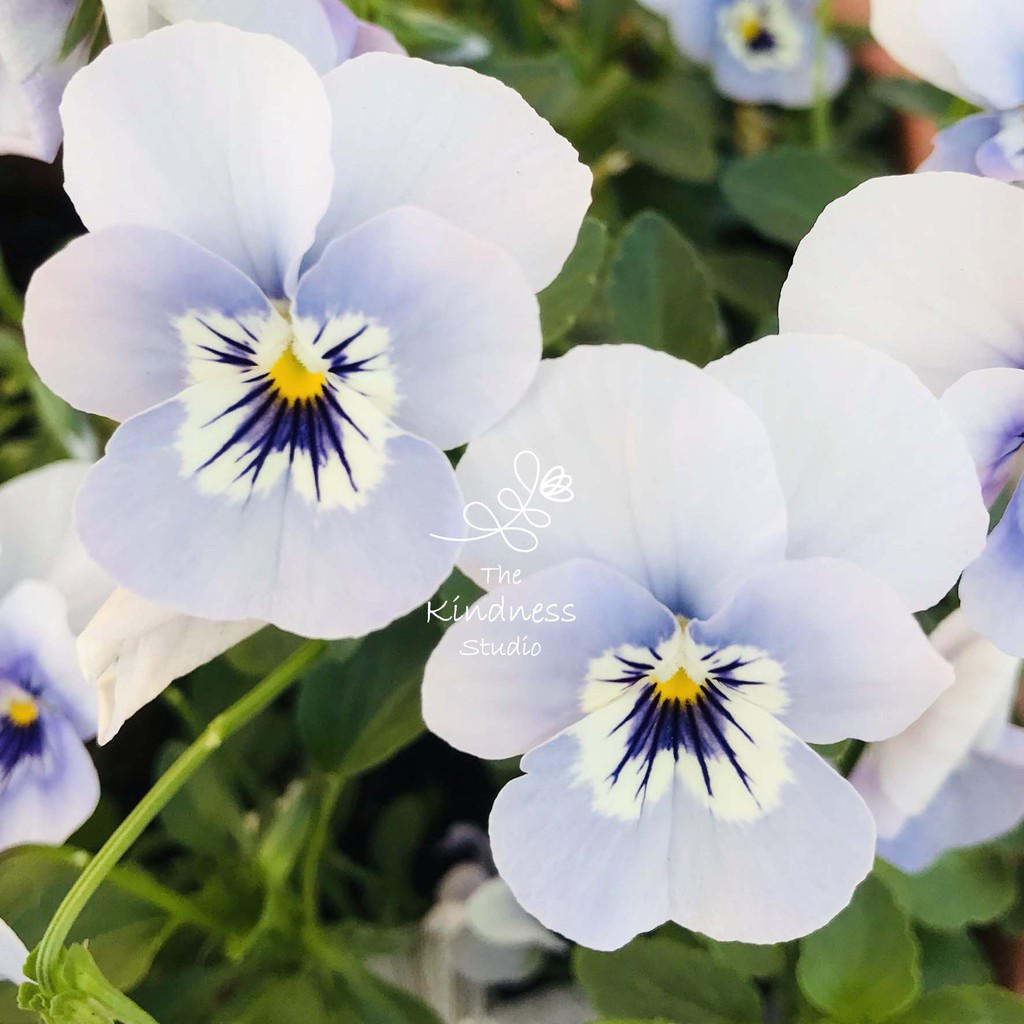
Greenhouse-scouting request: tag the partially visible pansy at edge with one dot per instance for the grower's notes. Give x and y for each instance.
(759, 51)
(297, 292)
(953, 243)
(976, 52)
(955, 778)
(743, 555)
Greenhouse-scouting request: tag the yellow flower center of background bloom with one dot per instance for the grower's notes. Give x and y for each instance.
(294, 383)
(679, 686)
(750, 29)
(22, 713)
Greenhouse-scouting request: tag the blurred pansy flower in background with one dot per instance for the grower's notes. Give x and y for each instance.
(33, 74)
(295, 326)
(48, 786)
(759, 51)
(735, 580)
(953, 244)
(976, 52)
(955, 777)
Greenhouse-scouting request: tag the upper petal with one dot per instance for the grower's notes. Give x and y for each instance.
(460, 145)
(855, 661)
(463, 327)
(692, 25)
(925, 267)
(665, 476)
(223, 137)
(873, 470)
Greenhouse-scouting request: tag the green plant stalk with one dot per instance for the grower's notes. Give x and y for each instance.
(821, 113)
(220, 729)
(332, 787)
(12, 307)
(850, 757)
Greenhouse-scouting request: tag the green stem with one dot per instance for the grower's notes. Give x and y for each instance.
(220, 729)
(850, 758)
(331, 791)
(821, 115)
(12, 307)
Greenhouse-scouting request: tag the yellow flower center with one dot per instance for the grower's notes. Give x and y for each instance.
(679, 686)
(751, 29)
(22, 713)
(294, 383)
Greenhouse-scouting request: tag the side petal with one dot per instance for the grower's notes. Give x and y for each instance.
(103, 318)
(544, 821)
(899, 28)
(275, 555)
(777, 877)
(873, 470)
(988, 408)
(667, 477)
(13, 955)
(223, 138)
(47, 802)
(463, 327)
(495, 916)
(956, 147)
(133, 650)
(692, 26)
(513, 671)
(886, 264)
(460, 145)
(855, 661)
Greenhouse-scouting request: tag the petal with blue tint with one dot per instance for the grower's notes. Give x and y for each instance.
(854, 661)
(224, 137)
(672, 478)
(1002, 156)
(956, 147)
(315, 516)
(462, 330)
(988, 408)
(500, 682)
(13, 955)
(992, 588)
(873, 470)
(136, 300)
(460, 145)
(888, 265)
(692, 24)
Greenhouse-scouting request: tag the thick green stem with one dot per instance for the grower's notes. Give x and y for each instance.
(12, 308)
(221, 728)
(850, 757)
(331, 791)
(821, 115)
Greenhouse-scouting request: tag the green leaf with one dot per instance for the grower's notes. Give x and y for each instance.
(982, 1004)
(952, 958)
(84, 24)
(781, 193)
(660, 294)
(570, 293)
(748, 281)
(750, 961)
(963, 887)
(670, 127)
(660, 978)
(863, 965)
(547, 83)
(921, 98)
(354, 716)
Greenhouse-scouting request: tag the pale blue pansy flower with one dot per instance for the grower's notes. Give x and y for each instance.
(759, 51)
(927, 268)
(732, 580)
(975, 51)
(955, 777)
(296, 292)
(48, 588)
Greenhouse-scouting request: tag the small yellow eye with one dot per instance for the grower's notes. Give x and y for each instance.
(22, 713)
(294, 383)
(679, 686)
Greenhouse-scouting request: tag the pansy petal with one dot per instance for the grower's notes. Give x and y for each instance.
(460, 145)
(496, 917)
(496, 705)
(374, 39)
(541, 823)
(13, 955)
(34, 629)
(37, 540)
(463, 329)
(485, 964)
(224, 137)
(873, 470)
(886, 264)
(692, 26)
(778, 876)
(134, 649)
(984, 43)
(124, 295)
(217, 547)
(992, 588)
(898, 27)
(130, 19)
(956, 147)
(46, 801)
(672, 478)
(855, 661)
(988, 408)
